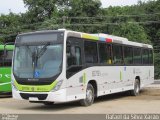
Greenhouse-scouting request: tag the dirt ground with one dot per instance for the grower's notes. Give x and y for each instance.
(147, 102)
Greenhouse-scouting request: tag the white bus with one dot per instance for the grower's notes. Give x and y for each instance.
(62, 66)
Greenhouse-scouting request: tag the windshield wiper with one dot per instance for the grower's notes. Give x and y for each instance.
(36, 55)
(43, 50)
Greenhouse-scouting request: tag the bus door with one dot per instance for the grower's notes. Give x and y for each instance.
(74, 64)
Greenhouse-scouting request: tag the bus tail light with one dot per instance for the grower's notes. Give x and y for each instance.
(58, 85)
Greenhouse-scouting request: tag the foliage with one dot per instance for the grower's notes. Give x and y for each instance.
(157, 65)
(133, 22)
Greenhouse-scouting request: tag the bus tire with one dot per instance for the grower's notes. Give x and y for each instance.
(136, 90)
(89, 96)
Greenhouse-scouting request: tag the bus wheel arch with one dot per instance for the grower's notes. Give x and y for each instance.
(91, 92)
(94, 84)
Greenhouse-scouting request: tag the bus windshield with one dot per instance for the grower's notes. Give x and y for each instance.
(38, 56)
(42, 61)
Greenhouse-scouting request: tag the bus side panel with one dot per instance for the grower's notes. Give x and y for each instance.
(5, 79)
(109, 79)
(147, 75)
(75, 86)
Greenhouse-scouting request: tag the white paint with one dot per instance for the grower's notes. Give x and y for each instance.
(5, 83)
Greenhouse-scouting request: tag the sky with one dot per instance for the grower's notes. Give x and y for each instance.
(17, 6)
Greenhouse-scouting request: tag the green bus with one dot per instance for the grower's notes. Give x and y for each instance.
(6, 52)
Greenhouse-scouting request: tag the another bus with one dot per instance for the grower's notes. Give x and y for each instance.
(6, 52)
(63, 66)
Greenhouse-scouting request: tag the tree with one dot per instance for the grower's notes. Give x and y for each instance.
(9, 26)
(134, 32)
(41, 8)
(157, 65)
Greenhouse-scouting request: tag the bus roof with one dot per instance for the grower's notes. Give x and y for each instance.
(109, 39)
(96, 37)
(8, 47)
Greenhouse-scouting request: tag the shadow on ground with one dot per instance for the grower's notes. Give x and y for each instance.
(71, 105)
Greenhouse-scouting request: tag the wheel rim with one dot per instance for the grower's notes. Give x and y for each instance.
(89, 96)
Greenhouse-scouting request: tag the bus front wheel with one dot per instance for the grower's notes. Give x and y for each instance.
(89, 96)
(136, 89)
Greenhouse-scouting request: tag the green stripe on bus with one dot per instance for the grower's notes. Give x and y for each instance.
(32, 88)
(5, 79)
(84, 78)
(7, 47)
(121, 75)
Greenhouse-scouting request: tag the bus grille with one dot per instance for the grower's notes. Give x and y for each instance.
(39, 96)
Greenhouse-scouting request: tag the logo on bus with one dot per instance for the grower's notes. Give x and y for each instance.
(6, 76)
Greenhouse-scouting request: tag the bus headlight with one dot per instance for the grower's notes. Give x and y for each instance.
(58, 85)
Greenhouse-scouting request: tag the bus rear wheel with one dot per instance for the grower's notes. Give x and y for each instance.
(89, 96)
(136, 90)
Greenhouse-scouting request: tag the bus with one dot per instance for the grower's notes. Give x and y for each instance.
(56, 66)
(6, 52)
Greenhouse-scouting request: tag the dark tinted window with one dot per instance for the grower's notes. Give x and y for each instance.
(78, 55)
(109, 54)
(90, 49)
(1, 58)
(117, 54)
(151, 57)
(74, 60)
(137, 56)
(145, 56)
(128, 55)
(6, 60)
(105, 53)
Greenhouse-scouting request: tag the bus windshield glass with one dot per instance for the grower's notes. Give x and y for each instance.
(38, 60)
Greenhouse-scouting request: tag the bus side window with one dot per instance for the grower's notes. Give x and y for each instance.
(73, 59)
(70, 58)
(1, 58)
(151, 57)
(8, 59)
(145, 56)
(128, 55)
(105, 53)
(117, 54)
(91, 55)
(78, 55)
(109, 54)
(102, 53)
(137, 56)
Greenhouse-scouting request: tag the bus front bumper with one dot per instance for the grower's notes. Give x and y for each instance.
(57, 96)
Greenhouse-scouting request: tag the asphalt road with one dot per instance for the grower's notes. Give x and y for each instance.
(147, 102)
